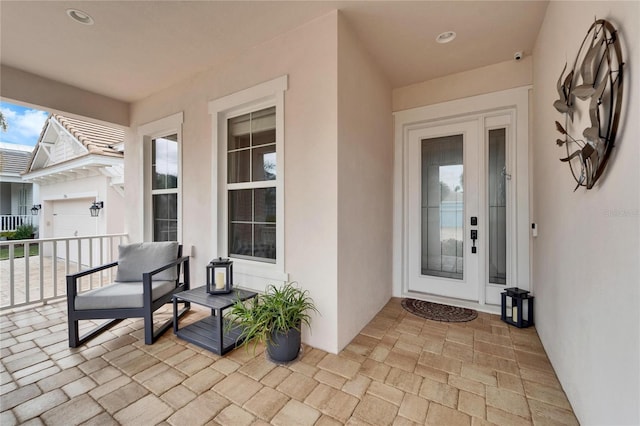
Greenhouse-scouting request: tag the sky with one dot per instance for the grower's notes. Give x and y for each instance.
(23, 124)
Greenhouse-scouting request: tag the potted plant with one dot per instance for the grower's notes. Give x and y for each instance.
(276, 318)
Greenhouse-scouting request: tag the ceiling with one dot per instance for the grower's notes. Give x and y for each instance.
(137, 48)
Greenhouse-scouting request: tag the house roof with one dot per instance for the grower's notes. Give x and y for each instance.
(70, 149)
(91, 138)
(96, 138)
(14, 159)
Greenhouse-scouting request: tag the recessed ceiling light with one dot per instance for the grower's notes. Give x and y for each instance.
(79, 16)
(446, 37)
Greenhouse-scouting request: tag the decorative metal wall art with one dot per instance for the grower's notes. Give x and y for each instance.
(596, 79)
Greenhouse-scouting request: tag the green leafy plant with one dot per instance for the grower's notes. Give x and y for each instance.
(24, 232)
(277, 310)
(7, 235)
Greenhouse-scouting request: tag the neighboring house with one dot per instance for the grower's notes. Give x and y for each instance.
(16, 197)
(76, 163)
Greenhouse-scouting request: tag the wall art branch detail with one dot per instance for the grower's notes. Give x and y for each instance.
(595, 81)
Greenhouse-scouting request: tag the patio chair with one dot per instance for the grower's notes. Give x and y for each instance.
(148, 275)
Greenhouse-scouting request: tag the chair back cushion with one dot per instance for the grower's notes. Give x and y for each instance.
(138, 258)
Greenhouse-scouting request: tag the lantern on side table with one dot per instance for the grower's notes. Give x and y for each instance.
(220, 276)
(514, 304)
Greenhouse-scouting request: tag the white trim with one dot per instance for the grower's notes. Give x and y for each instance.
(60, 128)
(264, 95)
(248, 97)
(162, 126)
(90, 160)
(451, 112)
(169, 125)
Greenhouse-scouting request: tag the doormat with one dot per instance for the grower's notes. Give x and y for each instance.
(438, 312)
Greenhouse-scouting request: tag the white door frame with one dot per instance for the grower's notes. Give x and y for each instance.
(477, 106)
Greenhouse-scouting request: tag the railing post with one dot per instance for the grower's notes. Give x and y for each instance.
(41, 269)
(90, 241)
(54, 261)
(25, 248)
(11, 276)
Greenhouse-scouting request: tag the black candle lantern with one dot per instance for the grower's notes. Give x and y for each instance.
(220, 276)
(517, 305)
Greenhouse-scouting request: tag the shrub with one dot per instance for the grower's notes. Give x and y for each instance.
(24, 232)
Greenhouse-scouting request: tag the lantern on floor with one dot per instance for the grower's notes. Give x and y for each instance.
(517, 307)
(220, 276)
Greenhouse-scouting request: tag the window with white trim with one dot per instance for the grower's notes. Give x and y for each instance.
(164, 187)
(249, 180)
(162, 172)
(251, 185)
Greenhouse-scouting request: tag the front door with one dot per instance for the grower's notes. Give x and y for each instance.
(459, 201)
(443, 175)
(462, 198)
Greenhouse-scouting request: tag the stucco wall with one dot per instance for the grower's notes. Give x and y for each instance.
(479, 81)
(308, 55)
(586, 258)
(365, 197)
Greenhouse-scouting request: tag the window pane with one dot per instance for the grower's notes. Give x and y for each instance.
(497, 207)
(238, 166)
(239, 132)
(442, 207)
(240, 205)
(265, 137)
(264, 163)
(164, 162)
(262, 121)
(240, 239)
(165, 217)
(265, 241)
(265, 205)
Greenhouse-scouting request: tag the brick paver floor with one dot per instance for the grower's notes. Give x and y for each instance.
(400, 370)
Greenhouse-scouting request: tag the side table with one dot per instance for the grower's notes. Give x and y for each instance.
(209, 332)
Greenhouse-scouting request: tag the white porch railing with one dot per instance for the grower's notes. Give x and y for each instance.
(41, 277)
(10, 222)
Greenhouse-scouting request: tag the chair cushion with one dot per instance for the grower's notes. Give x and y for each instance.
(136, 259)
(120, 295)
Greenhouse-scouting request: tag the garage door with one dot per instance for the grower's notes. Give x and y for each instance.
(71, 218)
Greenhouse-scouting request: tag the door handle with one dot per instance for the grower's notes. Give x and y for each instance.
(474, 237)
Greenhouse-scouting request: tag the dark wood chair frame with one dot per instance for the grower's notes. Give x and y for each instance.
(118, 314)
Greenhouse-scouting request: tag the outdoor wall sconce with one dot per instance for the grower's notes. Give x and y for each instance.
(514, 304)
(220, 276)
(35, 209)
(95, 208)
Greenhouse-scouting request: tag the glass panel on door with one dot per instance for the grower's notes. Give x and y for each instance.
(497, 231)
(442, 207)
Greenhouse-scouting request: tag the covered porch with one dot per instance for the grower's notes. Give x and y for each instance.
(331, 82)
